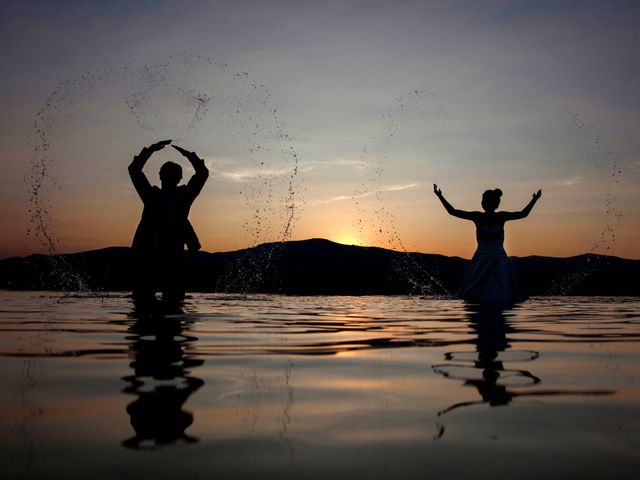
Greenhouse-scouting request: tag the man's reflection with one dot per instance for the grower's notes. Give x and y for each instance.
(160, 379)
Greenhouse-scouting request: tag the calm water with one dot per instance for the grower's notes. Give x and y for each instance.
(319, 387)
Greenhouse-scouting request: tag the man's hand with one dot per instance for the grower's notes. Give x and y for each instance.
(157, 146)
(191, 156)
(146, 152)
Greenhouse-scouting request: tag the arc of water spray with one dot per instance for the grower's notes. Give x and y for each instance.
(378, 169)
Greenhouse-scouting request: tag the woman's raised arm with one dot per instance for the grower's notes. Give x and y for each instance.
(450, 209)
(526, 210)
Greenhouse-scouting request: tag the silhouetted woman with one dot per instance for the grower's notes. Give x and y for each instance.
(490, 277)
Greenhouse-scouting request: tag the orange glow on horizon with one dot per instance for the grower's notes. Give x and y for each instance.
(346, 239)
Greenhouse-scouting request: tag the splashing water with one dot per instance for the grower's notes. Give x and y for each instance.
(598, 151)
(375, 220)
(189, 98)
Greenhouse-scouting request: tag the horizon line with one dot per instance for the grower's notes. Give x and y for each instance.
(322, 239)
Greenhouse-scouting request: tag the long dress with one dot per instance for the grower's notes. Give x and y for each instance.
(491, 277)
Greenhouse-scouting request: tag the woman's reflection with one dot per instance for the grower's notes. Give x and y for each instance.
(161, 380)
(486, 369)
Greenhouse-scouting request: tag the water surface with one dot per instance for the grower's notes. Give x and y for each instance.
(310, 387)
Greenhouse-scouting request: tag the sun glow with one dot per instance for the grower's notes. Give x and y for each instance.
(347, 239)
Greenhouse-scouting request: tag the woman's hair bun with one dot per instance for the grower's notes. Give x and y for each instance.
(498, 192)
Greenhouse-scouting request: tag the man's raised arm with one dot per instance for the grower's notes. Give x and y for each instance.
(138, 178)
(202, 172)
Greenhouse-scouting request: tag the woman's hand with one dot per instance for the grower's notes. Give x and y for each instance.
(537, 195)
(436, 190)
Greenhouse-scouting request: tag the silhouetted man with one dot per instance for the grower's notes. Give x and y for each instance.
(164, 228)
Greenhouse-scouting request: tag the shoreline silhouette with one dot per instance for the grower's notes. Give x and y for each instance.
(322, 267)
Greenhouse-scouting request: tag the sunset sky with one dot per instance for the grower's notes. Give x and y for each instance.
(372, 101)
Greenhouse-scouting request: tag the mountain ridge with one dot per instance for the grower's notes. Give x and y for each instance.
(320, 266)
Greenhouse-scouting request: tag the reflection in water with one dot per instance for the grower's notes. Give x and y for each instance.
(26, 409)
(486, 371)
(318, 387)
(161, 380)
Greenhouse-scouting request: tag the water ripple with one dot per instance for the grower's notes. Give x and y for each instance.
(36, 325)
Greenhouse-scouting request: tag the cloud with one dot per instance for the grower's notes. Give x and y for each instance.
(355, 164)
(250, 174)
(397, 188)
(220, 167)
(570, 182)
(390, 188)
(246, 175)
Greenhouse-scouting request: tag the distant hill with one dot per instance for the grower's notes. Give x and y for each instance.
(321, 267)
